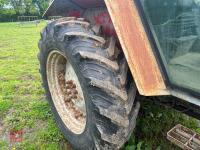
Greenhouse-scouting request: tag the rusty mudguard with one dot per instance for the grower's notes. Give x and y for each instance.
(131, 34)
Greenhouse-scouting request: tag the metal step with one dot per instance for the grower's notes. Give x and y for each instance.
(184, 138)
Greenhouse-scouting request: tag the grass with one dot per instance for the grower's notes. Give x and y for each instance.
(23, 105)
(153, 124)
(22, 101)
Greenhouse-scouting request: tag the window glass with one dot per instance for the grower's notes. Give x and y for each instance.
(175, 25)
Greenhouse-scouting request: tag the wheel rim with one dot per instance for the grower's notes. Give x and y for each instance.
(66, 92)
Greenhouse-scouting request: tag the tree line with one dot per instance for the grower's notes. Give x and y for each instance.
(11, 9)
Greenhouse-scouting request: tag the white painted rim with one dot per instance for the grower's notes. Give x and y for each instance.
(66, 92)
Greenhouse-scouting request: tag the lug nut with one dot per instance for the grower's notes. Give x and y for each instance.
(69, 92)
(69, 82)
(70, 96)
(75, 92)
(74, 97)
(68, 87)
(77, 114)
(73, 86)
(67, 100)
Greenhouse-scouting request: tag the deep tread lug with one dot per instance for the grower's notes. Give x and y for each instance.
(115, 117)
(114, 138)
(109, 88)
(111, 48)
(96, 29)
(111, 64)
(131, 97)
(84, 23)
(86, 35)
(123, 72)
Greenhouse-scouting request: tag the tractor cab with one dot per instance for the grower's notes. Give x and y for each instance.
(175, 26)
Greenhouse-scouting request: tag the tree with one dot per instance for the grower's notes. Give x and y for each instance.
(17, 6)
(3, 3)
(41, 5)
(10, 9)
(27, 6)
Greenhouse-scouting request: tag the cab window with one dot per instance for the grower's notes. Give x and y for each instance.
(175, 25)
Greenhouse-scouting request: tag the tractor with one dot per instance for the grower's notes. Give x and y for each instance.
(102, 57)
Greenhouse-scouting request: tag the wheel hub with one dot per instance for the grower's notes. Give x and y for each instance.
(66, 92)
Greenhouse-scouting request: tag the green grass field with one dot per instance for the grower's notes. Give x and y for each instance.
(23, 105)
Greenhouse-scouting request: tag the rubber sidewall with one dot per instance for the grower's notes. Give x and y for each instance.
(85, 140)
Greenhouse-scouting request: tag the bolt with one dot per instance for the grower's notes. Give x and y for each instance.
(74, 97)
(62, 86)
(69, 92)
(68, 87)
(69, 82)
(70, 104)
(67, 99)
(77, 114)
(75, 92)
(73, 86)
(70, 96)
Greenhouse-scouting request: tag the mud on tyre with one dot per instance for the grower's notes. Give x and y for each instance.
(87, 85)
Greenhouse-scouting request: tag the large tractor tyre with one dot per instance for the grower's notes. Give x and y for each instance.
(86, 85)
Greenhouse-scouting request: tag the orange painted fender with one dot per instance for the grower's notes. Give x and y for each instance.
(136, 47)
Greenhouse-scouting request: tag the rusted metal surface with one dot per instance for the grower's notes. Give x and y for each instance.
(136, 47)
(184, 138)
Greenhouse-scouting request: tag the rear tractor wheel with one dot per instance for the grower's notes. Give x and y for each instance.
(85, 78)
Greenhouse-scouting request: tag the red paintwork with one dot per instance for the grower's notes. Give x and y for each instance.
(82, 8)
(74, 13)
(105, 21)
(102, 18)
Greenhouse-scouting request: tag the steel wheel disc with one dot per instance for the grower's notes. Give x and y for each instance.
(66, 92)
